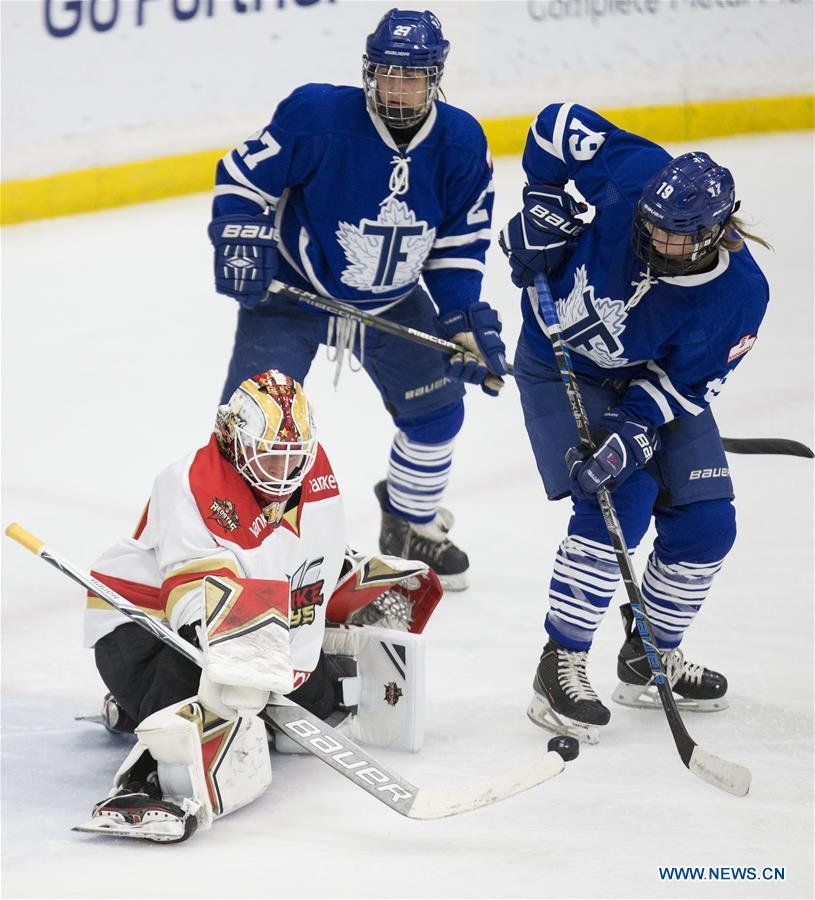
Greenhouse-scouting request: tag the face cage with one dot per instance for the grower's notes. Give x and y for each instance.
(293, 458)
(699, 245)
(392, 111)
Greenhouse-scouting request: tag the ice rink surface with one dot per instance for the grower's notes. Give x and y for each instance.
(114, 350)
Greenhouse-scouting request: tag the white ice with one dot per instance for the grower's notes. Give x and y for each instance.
(114, 350)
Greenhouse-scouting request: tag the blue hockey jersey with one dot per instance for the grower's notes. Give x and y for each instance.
(358, 218)
(674, 339)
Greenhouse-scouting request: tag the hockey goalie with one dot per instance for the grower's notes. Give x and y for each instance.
(242, 550)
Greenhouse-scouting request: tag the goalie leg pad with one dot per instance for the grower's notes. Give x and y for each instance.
(210, 765)
(391, 684)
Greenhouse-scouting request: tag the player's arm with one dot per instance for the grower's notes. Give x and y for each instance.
(454, 269)
(682, 384)
(249, 181)
(562, 145)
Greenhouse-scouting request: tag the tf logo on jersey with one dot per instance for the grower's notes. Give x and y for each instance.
(386, 252)
(592, 325)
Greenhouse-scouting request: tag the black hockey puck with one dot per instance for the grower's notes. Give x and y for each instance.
(567, 747)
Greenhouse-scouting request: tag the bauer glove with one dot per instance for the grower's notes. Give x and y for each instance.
(537, 239)
(624, 446)
(245, 256)
(484, 358)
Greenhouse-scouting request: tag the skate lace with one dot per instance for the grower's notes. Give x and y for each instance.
(424, 547)
(393, 609)
(677, 668)
(572, 677)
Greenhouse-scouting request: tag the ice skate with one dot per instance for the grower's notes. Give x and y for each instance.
(564, 701)
(426, 542)
(696, 688)
(137, 811)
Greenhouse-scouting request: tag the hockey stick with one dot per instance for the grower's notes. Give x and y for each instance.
(347, 311)
(727, 776)
(316, 736)
(778, 446)
(774, 446)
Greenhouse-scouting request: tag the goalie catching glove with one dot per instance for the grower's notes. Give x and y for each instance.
(387, 591)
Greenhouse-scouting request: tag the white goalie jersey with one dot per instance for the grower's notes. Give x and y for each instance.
(203, 520)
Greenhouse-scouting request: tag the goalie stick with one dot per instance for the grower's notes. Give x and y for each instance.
(725, 775)
(316, 736)
(775, 446)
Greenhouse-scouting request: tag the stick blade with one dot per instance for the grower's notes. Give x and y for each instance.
(440, 804)
(774, 446)
(727, 776)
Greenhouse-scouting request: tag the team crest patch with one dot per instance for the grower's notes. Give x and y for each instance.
(392, 693)
(744, 345)
(224, 514)
(593, 326)
(386, 252)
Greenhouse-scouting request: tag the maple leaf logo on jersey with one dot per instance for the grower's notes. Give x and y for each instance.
(590, 326)
(386, 252)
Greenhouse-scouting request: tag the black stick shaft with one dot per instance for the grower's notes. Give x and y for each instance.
(371, 320)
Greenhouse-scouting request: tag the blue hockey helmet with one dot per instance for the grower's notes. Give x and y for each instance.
(402, 66)
(682, 213)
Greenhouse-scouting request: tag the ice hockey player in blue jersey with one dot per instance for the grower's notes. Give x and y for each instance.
(356, 193)
(659, 301)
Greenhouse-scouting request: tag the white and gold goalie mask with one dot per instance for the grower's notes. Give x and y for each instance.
(267, 433)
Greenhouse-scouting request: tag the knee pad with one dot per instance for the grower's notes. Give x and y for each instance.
(633, 501)
(390, 685)
(435, 426)
(696, 533)
(205, 764)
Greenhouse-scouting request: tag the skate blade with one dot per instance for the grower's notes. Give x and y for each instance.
(163, 832)
(641, 696)
(458, 582)
(541, 714)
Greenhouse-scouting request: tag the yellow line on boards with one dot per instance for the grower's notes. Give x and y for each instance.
(87, 190)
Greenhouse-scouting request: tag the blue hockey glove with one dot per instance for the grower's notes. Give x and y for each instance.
(624, 447)
(245, 256)
(537, 238)
(478, 329)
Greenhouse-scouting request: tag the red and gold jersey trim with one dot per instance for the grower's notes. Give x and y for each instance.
(145, 596)
(187, 578)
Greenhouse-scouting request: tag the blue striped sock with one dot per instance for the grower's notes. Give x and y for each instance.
(417, 477)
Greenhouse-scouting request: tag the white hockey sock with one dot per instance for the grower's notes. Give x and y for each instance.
(584, 579)
(417, 477)
(673, 594)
